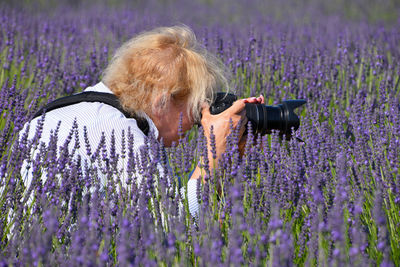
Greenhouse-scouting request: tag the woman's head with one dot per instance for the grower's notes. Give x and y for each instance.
(163, 65)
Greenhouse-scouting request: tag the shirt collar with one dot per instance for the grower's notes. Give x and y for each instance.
(102, 88)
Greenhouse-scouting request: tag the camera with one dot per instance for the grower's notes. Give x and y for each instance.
(262, 117)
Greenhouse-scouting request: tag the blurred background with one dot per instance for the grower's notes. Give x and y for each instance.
(211, 12)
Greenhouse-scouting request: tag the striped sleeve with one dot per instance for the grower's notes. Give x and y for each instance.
(192, 197)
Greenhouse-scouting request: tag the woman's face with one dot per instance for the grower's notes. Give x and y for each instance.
(167, 121)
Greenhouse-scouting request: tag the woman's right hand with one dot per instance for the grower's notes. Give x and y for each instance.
(221, 125)
(221, 128)
(221, 122)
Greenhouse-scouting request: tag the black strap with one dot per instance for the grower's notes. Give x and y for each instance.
(105, 98)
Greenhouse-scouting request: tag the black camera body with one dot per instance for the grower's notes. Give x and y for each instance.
(262, 117)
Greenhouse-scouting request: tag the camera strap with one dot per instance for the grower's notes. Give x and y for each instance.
(106, 98)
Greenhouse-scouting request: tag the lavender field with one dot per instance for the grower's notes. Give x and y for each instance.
(332, 200)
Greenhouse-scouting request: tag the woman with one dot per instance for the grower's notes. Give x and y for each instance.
(158, 76)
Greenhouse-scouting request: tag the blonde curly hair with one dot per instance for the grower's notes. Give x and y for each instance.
(167, 62)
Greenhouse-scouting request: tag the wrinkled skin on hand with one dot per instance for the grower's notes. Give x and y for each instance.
(221, 127)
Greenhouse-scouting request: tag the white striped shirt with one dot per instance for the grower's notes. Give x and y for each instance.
(98, 118)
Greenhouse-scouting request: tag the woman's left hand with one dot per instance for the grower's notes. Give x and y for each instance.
(255, 100)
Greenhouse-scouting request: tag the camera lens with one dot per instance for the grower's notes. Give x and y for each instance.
(264, 118)
(279, 117)
(257, 115)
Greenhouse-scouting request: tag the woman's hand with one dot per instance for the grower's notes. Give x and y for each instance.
(221, 127)
(221, 122)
